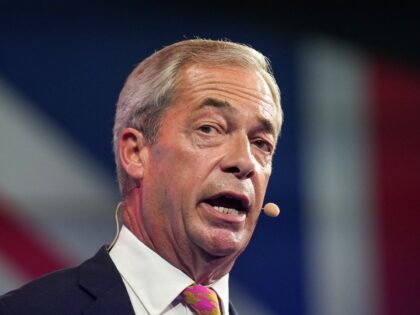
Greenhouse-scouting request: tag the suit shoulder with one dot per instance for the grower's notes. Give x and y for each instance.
(46, 295)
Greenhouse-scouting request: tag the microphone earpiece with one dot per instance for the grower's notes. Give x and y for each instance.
(117, 221)
(271, 209)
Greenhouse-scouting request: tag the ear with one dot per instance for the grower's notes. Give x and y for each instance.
(133, 152)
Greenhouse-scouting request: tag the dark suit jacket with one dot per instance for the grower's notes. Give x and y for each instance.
(93, 288)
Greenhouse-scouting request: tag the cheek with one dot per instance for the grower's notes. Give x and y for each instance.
(262, 179)
(179, 171)
(260, 191)
(197, 164)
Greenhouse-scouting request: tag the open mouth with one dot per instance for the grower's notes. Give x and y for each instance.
(228, 204)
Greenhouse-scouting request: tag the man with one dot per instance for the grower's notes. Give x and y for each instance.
(195, 130)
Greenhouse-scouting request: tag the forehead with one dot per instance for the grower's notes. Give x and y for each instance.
(240, 87)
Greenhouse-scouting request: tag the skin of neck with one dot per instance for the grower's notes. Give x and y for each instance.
(199, 265)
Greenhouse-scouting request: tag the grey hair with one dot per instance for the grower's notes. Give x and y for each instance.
(152, 86)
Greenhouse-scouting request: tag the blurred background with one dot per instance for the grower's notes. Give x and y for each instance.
(346, 172)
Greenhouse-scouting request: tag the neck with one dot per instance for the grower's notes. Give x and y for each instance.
(202, 267)
(199, 265)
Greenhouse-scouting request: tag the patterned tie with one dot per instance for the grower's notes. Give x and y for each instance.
(202, 300)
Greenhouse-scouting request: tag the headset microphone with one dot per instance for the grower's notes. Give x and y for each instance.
(271, 209)
(117, 221)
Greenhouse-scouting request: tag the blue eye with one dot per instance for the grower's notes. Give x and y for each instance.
(207, 129)
(263, 145)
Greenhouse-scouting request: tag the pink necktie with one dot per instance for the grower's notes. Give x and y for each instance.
(202, 300)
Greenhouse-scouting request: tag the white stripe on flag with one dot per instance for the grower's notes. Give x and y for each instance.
(9, 277)
(41, 166)
(339, 230)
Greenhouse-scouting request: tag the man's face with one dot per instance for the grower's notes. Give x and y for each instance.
(207, 173)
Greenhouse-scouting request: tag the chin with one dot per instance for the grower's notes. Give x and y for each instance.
(223, 247)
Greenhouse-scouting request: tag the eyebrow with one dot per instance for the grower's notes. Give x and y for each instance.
(214, 102)
(226, 106)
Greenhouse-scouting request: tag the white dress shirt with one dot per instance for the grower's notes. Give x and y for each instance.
(153, 284)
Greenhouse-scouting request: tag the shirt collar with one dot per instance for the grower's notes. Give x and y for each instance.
(154, 280)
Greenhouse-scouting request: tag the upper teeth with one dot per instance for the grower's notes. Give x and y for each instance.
(226, 210)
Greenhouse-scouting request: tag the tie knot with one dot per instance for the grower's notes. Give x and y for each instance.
(202, 300)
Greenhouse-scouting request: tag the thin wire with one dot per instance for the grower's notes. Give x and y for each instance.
(117, 221)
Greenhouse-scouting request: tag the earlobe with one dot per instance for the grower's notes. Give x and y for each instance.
(133, 152)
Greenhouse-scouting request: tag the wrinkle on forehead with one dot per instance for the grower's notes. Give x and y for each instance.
(239, 83)
(203, 74)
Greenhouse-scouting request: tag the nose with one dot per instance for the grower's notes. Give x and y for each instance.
(239, 159)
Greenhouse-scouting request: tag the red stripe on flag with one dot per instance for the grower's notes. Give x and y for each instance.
(397, 161)
(26, 252)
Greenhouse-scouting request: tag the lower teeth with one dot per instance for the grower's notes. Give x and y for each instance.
(226, 210)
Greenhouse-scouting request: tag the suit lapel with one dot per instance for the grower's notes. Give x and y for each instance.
(99, 277)
(114, 301)
(232, 310)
